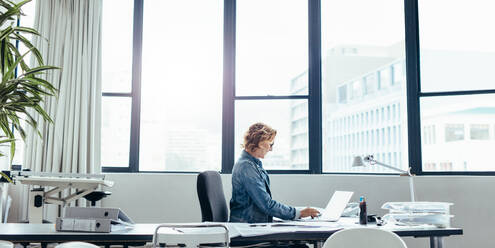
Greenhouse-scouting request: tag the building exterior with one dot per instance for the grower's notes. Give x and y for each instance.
(459, 140)
(367, 117)
(363, 113)
(299, 156)
(365, 110)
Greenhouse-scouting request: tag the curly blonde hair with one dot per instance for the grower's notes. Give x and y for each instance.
(258, 132)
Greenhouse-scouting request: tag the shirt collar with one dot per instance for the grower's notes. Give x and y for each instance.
(250, 157)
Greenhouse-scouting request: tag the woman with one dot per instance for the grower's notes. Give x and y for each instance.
(251, 197)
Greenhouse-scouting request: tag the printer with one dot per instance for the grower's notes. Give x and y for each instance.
(83, 219)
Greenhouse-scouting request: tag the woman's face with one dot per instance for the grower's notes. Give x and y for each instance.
(265, 147)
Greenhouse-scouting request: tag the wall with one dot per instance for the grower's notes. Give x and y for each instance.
(154, 198)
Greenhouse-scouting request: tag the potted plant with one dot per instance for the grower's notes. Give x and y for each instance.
(22, 87)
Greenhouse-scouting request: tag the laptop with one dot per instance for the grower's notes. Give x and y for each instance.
(335, 207)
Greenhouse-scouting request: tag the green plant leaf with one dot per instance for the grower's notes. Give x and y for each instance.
(11, 69)
(21, 96)
(30, 46)
(6, 32)
(26, 30)
(39, 69)
(12, 48)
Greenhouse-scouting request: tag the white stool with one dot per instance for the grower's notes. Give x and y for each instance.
(75, 244)
(191, 235)
(364, 237)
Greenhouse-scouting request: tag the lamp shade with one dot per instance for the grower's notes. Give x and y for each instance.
(358, 161)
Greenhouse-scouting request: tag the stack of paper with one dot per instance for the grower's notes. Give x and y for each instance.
(418, 213)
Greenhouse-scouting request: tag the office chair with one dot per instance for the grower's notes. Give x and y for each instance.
(364, 237)
(191, 235)
(211, 197)
(76, 244)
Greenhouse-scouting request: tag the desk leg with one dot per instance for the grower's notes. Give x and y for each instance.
(436, 242)
(318, 244)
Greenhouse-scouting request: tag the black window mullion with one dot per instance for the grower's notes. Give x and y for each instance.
(271, 97)
(457, 93)
(314, 87)
(289, 171)
(115, 169)
(413, 85)
(228, 109)
(116, 94)
(136, 85)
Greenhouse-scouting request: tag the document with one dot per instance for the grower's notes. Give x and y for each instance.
(257, 229)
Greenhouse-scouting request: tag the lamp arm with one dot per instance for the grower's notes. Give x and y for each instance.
(408, 172)
(392, 168)
(411, 188)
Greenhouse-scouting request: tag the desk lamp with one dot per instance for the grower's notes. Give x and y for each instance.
(358, 161)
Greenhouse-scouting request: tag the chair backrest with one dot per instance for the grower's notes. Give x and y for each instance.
(76, 244)
(211, 197)
(191, 235)
(364, 237)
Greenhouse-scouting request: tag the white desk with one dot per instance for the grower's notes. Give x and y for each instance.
(142, 233)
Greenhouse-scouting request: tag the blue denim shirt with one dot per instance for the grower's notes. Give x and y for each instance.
(251, 197)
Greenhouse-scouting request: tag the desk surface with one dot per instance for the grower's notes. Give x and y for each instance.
(144, 233)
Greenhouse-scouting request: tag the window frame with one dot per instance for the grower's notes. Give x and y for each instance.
(314, 96)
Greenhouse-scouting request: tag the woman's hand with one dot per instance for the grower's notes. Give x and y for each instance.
(309, 212)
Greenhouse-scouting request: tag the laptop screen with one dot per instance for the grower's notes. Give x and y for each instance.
(336, 205)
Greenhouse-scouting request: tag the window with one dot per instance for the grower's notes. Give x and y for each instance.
(446, 166)
(357, 89)
(394, 134)
(149, 105)
(343, 94)
(269, 64)
(180, 128)
(429, 135)
(271, 47)
(454, 132)
(370, 84)
(27, 20)
(189, 81)
(394, 114)
(116, 83)
(465, 143)
(385, 78)
(457, 84)
(398, 73)
(382, 113)
(116, 127)
(289, 118)
(388, 113)
(430, 166)
(479, 131)
(460, 57)
(366, 70)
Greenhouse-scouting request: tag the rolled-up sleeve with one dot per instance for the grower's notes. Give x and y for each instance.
(255, 187)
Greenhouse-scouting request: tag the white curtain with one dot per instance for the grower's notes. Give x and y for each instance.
(71, 31)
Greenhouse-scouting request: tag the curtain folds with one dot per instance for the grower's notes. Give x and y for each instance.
(71, 32)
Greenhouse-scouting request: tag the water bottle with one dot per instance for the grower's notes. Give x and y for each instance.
(363, 215)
